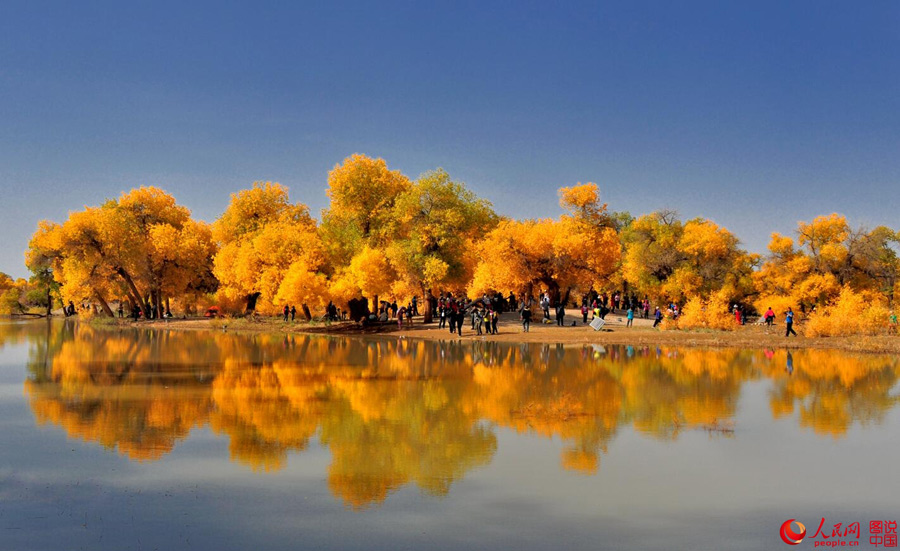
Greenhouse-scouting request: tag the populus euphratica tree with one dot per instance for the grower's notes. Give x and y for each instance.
(580, 250)
(269, 250)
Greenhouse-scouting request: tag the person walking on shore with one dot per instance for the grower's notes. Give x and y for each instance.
(789, 323)
(657, 317)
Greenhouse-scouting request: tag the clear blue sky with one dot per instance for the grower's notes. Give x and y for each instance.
(754, 114)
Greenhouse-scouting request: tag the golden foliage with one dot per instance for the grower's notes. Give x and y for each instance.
(558, 255)
(674, 261)
(269, 250)
(712, 313)
(851, 313)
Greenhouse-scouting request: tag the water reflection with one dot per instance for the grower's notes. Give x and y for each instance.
(399, 412)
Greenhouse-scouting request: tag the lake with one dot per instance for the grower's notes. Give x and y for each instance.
(152, 439)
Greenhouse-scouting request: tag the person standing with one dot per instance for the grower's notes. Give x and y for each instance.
(584, 311)
(451, 316)
(293, 313)
(630, 315)
(789, 323)
(526, 314)
(560, 314)
(495, 317)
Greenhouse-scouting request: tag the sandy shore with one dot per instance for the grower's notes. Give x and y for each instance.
(510, 330)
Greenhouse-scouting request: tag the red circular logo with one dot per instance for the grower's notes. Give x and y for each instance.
(789, 536)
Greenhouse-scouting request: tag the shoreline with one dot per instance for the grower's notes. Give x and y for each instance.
(510, 331)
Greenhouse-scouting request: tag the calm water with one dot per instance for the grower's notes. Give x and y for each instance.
(137, 439)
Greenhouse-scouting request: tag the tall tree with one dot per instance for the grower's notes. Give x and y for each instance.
(435, 224)
(673, 261)
(578, 251)
(269, 249)
(362, 193)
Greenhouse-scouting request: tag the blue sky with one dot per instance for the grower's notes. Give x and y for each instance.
(755, 114)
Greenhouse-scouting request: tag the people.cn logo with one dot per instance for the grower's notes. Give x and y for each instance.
(789, 536)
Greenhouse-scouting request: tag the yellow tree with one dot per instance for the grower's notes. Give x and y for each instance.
(81, 255)
(827, 256)
(9, 295)
(362, 193)
(674, 261)
(576, 251)
(112, 250)
(434, 226)
(269, 249)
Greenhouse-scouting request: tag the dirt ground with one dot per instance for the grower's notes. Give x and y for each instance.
(510, 330)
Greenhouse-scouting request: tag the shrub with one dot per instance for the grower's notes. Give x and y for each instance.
(710, 313)
(851, 313)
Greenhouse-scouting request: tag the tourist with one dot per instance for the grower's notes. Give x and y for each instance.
(285, 312)
(293, 313)
(630, 316)
(657, 317)
(770, 317)
(789, 323)
(584, 311)
(451, 316)
(525, 312)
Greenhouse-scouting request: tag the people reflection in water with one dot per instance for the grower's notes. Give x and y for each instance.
(790, 363)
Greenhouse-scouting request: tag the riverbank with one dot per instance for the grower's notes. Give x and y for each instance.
(510, 330)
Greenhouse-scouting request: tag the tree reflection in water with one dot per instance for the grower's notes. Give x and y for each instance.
(396, 412)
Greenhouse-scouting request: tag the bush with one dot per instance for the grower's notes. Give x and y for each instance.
(711, 313)
(851, 313)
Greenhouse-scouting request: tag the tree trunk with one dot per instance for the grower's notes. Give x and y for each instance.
(145, 305)
(49, 303)
(377, 306)
(552, 290)
(306, 312)
(103, 304)
(565, 297)
(428, 315)
(251, 302)
(167, 305)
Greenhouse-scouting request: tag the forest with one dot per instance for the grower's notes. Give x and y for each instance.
(386, 236)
